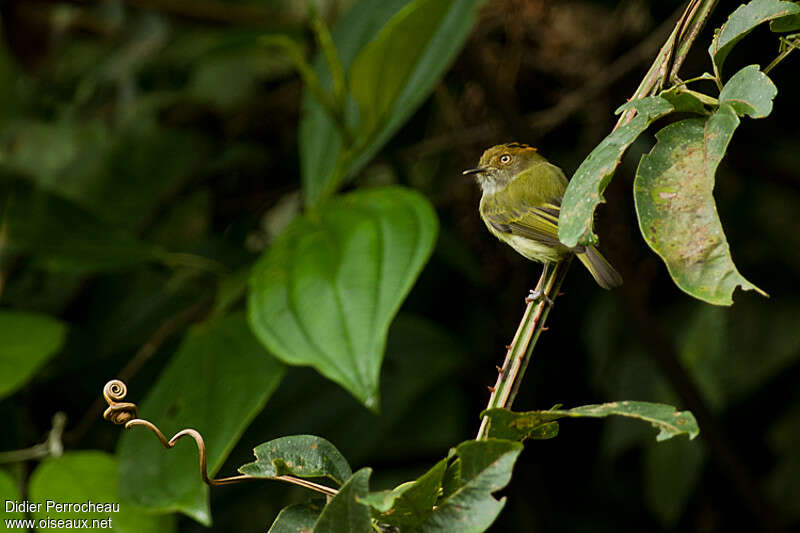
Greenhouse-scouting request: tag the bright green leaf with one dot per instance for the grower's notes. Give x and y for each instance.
(743, 21)
(27, 341)
(749, 92)
(467, 505)
(83, 476)
(585, 190)
(326, 291)
(218, 380)
(323, 162)
(298, 518)
(376, 82)
(409, 504)
(665, 418)
(675, 204)
(344, 512)
(9, 492)
(304, 456)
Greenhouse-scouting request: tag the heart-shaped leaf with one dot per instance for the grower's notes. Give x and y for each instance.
(743, 21)
(326, 291)
(304, 456)
(219, 379)
(675, 204)
(325, 161)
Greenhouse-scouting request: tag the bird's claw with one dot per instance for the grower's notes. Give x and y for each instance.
(537, 295)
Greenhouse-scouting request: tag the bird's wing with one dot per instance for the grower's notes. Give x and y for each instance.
(529, 205)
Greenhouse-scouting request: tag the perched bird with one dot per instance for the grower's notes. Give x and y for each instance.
(521, 200)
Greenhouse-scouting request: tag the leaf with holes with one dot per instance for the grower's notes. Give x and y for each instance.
(749, 92)
(678, 218)
(326, 291)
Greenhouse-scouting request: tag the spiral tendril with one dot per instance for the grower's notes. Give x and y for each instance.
(118, 412)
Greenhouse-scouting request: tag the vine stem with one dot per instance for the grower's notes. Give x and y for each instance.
(520, 351)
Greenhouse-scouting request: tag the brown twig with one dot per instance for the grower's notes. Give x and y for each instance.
(127, 414)
(520, 351)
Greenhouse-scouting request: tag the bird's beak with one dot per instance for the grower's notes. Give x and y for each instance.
(479, 170)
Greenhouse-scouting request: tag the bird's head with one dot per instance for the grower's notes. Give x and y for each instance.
(499, 164)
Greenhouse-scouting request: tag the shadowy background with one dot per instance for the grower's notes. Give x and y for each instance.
(153, 116)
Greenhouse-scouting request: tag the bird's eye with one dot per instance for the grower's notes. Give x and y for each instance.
(505, 159)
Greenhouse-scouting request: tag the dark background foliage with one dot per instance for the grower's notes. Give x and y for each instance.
(166, 123)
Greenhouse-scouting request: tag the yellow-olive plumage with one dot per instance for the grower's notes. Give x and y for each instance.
(521, 200)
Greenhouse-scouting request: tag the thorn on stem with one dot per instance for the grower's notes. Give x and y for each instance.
(499, 369)
(544, 328)
(508, 346)
(491, 389)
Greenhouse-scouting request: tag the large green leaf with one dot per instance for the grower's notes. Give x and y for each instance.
(467, 504)
(89, 476)
(743, 21)
(585, 190)
(9, 492)
(326, 291)
(345, 513)
(749, 92)
(27, 341)
(322, 152)
(665, 418)
(671, 472)
(675, 204)
(304, 456)
(219, 379)
(380, 71)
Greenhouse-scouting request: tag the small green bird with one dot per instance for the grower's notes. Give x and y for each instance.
(521, 201)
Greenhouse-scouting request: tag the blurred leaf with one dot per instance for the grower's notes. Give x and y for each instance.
(749, 92)
(81, 476)
(783, 482)
(409, 504)
(326, 291)
(743, 21)
(344, 512)
(218, 380)
(66, 237)
(298, 518)
(303, 456)
(27, 341)
(584, 192)
(231, 289)
(784, 24)
(376, 83)
(704, 351)
(665, 418)
(467, 505)
(675, 204)
(671, 473)
(324, 165)
(9, 491)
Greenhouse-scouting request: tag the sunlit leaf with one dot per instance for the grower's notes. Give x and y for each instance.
(304, 456)
(345, 512)
(743, 21)
(219, 379)
(326, 291)
(749, 92)
(322, 159)
(585, 190)
(89, 476)
(27, 341)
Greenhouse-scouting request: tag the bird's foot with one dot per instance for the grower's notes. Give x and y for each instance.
(538, 295)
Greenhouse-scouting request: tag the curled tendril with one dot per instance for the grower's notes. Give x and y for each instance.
(127, 414)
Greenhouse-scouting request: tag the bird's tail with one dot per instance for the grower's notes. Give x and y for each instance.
(601, 270)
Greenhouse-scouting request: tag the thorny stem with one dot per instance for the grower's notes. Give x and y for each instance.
(520, 351)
